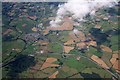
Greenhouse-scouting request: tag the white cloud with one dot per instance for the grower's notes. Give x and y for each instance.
(78, 9)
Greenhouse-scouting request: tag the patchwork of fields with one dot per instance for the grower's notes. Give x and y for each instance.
(33, 49)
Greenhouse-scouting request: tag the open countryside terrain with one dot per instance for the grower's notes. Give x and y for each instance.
(32, 49)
